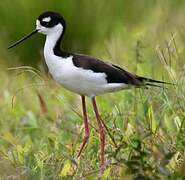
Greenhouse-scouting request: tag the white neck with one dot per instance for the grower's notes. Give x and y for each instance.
(51, 40)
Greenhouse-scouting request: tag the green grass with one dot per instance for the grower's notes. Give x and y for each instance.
(41, 126)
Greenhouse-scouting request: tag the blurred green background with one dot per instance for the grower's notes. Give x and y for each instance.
(92, 26)
(41, 127)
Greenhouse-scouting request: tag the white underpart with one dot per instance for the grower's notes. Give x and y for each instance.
(78, 80)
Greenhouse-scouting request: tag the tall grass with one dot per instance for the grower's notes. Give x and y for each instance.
(41, 125)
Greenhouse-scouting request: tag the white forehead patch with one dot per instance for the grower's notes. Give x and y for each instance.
(37, 22)
(47, 19)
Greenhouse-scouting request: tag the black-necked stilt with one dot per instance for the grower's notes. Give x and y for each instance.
(82, 74)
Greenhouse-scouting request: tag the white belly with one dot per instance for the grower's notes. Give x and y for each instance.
(81, 81)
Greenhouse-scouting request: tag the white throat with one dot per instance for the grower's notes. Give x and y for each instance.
(51, 40)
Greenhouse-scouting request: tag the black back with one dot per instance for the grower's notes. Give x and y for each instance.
(114, 73)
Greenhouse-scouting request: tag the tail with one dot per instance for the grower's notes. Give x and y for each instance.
(153, 82)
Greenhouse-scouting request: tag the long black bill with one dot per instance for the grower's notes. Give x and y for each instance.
(23, 39)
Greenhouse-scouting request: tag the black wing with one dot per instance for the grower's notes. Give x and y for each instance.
(114, 73)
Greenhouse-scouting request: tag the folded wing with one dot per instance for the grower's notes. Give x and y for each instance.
(114, 73)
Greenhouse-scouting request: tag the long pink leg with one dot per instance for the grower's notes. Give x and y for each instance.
(101, 132)
(86, 135)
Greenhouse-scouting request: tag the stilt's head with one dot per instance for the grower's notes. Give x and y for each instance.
(47, 23)
(50, 22)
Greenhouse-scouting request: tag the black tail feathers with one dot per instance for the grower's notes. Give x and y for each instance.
(153, 82)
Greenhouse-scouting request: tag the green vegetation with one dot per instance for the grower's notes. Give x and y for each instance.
(41, 127)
